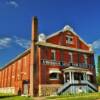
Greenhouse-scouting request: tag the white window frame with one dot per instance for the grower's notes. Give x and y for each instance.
(68, 41)
(71, 57)
(85, 59)
(54, 53)
(57, 78)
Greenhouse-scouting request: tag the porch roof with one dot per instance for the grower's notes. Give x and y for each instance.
(75, 69)
(54, 70)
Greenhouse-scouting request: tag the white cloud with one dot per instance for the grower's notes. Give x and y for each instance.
(5, 42)
(12, 3)
(22, 42)
(96, 44)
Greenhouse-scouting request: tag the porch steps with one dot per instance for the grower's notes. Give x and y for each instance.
(66, 86)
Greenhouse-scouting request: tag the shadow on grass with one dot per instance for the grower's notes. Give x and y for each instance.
(8, 96)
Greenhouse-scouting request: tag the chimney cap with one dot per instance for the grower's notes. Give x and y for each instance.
(34, 17)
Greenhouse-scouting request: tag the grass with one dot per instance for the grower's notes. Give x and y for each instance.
(89, 96)
(13, 97)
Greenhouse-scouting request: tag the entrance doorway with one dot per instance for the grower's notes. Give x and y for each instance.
(25, 87)
(78, 76)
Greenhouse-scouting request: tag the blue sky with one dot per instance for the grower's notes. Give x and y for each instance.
(16, 17)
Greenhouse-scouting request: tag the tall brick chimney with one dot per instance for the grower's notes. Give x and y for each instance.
(33, 67)
(34, 28)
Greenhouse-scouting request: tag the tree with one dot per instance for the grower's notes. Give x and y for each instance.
(98, 71)
(98, 66)
(98, 79)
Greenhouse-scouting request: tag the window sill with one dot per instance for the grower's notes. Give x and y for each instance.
(53, 79)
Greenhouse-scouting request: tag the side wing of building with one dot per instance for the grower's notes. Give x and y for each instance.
(14, 76)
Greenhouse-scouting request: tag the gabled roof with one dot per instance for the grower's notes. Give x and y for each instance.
(67, 28)
(16, 58)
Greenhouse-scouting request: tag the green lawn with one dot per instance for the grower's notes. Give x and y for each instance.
(76, 98)
(10, 97)
(15, 98)
(89, 96)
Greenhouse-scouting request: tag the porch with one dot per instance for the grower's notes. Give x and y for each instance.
(77, 75)
(77, 80)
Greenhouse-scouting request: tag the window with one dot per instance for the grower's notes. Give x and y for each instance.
(85, 59)
(69, 39)
(54, 76)
(53, 54)
(71, 57)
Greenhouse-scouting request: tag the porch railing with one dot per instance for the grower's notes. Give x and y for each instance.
(65, 64)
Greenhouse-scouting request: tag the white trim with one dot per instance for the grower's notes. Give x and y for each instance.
(89, 73)
(68, 39)
(74, 69)
(85, 58)
(54, 71)
(71, 57)
(55, 78)
(54, 34)
(69, 36)
(67, 28)
(62, 47)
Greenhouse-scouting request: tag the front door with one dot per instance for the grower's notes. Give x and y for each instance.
(25, 86)
(78, 76)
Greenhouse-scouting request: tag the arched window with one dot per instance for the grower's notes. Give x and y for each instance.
(54, 76)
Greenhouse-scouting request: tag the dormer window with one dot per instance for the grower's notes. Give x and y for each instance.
(69, 39)
(53, 54)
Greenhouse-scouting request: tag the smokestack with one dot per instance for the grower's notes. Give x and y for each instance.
(34, 28)
(33, 56)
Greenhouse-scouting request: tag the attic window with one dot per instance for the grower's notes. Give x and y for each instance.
(69, 39)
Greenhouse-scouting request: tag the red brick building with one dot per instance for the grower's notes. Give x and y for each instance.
(59, 63)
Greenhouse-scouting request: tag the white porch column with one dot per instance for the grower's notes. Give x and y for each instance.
(64, 78)
(73, 88)
(73, 77)
(84, 77)
(70, 78)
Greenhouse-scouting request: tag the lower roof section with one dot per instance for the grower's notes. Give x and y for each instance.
(62, 47)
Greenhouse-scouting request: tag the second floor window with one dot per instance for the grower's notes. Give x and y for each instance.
(69, 39)
(53, 54)
(71, 57)
(85, 59)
